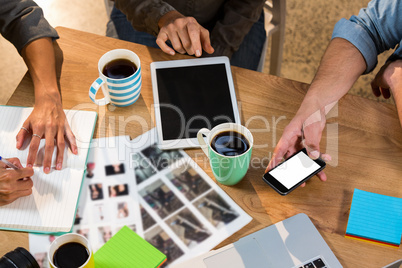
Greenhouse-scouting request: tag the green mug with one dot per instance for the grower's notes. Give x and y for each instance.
(227, 169)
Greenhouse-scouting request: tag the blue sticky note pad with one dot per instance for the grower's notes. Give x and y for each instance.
(376, 218)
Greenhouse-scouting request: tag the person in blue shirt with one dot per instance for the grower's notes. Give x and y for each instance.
(353, 51)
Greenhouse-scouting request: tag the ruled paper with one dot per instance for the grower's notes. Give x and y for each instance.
(12, 119)
(128, 249)
(375, 217)
(51, 207)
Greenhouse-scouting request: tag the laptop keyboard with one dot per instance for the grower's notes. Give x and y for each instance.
(315, 263)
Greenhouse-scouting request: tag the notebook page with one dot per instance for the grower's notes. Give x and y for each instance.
(11, 120)
(50, 208)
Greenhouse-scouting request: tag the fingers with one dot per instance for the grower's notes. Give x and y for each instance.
(186, 36)
(71, 139)
(60, 150)
(176, 41)
(23, 134)
(24, 173)
(375, 88)
(379, 85)
(16, 162)
(288, 144)
(278, 155)
(12, 184)
(322, 176)
(194, 46)
(161, 42)
(206, 41)
(34, 146)
(385, 92)
(49, 148)
(9, 197)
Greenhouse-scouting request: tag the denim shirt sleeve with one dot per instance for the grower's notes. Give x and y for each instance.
(22, 21)
(377, 28)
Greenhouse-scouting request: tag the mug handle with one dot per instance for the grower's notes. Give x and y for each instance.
(99, 83)
(201, 141)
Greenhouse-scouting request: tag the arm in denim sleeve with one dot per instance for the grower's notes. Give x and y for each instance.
(22, 21)
(377, 28)
(144, 14)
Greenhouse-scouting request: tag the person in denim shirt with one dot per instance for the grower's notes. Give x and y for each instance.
(353, 51)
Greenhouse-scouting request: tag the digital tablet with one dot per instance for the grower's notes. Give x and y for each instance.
(190, 95)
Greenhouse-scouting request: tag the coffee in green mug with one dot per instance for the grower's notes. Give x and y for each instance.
(228, 147)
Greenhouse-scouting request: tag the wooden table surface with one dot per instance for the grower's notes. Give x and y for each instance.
(363, 136)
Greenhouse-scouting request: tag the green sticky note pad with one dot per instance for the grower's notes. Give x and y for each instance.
(127, 249)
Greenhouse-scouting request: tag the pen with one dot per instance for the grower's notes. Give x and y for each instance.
(8, 163)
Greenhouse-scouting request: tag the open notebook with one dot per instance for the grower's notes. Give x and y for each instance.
(51, 206)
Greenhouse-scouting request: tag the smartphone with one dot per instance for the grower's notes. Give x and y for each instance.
(291, 173)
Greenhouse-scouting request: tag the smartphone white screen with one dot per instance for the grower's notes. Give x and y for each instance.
(294, 170)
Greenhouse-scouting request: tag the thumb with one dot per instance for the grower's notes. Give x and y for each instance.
(314, 154)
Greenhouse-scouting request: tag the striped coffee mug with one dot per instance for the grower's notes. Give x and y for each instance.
(117, 91)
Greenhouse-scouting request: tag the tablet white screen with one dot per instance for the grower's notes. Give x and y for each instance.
(193, 97)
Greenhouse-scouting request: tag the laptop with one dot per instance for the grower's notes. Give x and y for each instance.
(292, 243)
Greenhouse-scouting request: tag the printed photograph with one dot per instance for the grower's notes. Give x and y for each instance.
(96, 192)
(189, 182)
(161, 159)
(161, 199)
(216, 209)
(147, 220)
(159, 239)
(90, 170)
(84, 232)
(41, 259)
(118, 190)
(114, 169)
(188, 228)
(38, 246)
(100, 213)
(78, 218)
(104, 233)
(122, 210)
(142, 168)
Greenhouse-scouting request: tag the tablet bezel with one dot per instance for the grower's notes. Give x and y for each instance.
(188, 142)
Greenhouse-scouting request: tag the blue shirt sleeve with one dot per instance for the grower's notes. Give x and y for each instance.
(377, 28)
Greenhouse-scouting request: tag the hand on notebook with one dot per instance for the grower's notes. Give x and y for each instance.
(47, 121)
(298, 134)
(14, 183)
(185, 34)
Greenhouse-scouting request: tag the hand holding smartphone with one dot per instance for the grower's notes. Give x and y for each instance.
(293, 172)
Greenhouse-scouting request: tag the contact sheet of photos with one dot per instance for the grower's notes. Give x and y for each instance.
(164, 196)
(108, 198)
(184, 212)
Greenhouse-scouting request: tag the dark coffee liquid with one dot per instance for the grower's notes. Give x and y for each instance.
(119, 68)
(70, 255)
(230, 143)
